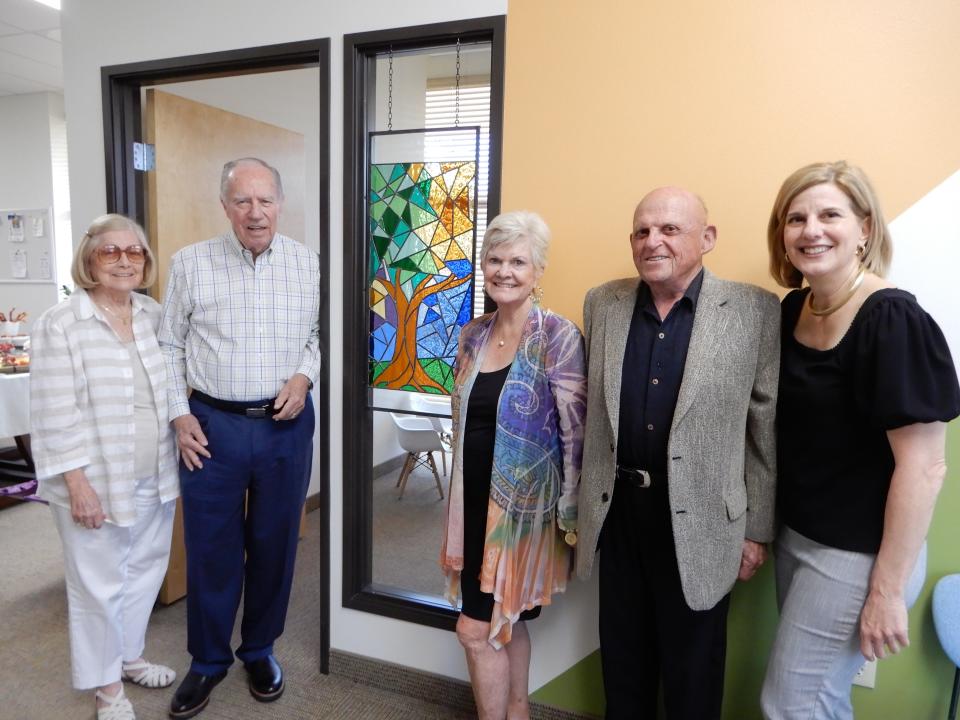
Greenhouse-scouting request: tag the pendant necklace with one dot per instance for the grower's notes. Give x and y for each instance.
(125, 320)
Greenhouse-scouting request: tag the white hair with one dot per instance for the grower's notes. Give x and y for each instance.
(510, 227)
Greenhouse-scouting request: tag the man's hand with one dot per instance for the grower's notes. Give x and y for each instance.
(85, 507)
(292, 397)
(883, 622)
(190, 440)
(754, 555)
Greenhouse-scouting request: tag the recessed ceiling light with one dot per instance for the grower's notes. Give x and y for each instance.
(55, 4)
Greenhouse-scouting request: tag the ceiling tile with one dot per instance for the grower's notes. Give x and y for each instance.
(31, 70)
(28, 15)
(9, 30)
(33, 47)
(10, 85)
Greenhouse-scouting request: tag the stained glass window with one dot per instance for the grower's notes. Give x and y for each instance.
(422, 227)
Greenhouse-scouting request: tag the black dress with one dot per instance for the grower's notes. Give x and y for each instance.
(478, 440)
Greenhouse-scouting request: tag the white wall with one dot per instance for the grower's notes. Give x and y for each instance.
(108, 32)
(926, 254)
(26, 182)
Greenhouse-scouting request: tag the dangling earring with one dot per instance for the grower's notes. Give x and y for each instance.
(785, 265)
(536, 295)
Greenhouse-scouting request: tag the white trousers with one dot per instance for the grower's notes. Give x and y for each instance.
(113, 576)
(816, 654)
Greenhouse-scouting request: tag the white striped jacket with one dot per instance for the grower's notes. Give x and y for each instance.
(81, 403)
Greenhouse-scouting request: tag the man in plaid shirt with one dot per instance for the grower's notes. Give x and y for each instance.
(240, 328)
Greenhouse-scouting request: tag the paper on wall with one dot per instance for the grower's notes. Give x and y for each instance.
(18, 263)
(16, 228)
(45, 267)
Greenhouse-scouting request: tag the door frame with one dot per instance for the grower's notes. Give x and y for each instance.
(122, 126)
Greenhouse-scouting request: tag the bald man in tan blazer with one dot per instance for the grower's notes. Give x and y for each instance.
(679, 459)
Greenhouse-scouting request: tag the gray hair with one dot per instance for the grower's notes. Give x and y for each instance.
(229, 167)
(510, 227)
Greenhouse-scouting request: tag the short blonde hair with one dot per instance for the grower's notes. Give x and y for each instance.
(509, 227)
(80, 268)
(853, 182)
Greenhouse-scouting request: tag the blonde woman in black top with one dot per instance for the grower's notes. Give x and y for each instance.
(866, 387)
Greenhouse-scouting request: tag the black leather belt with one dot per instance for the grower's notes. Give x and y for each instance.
(254, 409)
(634, 476)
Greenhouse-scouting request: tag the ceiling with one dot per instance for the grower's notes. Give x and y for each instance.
(31, 58)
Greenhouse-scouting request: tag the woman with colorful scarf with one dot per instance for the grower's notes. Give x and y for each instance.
(519, 404)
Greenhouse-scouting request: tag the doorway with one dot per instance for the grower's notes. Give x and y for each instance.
(123, 94)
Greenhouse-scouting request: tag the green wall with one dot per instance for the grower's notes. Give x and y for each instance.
(914, 684)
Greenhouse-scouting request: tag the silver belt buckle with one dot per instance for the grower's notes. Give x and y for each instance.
(255, 412)
(646, 478)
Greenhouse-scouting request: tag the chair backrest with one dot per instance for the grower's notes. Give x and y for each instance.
(416, 434)
(438, 404)
(946, 615)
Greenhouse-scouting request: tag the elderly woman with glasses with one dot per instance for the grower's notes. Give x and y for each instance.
(105, 457)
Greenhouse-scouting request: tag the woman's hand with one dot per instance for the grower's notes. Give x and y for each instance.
(84, 502)
(883, 623)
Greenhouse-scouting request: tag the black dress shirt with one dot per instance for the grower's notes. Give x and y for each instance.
(653, 365)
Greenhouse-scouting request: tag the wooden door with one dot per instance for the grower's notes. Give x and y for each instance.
(193, 141)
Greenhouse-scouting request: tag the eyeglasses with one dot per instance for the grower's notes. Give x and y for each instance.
(110, 254)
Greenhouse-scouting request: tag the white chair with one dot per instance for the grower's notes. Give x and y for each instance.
(439, 404)
(418, 437)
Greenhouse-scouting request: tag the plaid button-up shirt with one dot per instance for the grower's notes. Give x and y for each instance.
(236, 329)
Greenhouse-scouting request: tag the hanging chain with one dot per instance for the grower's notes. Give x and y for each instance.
(456, 113)
(390, 95)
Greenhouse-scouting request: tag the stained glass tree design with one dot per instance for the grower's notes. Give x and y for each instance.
(420, 271)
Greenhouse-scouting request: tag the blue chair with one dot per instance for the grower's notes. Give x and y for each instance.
(946, 619)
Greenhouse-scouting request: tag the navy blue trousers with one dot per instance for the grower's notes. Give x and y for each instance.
(232, 551)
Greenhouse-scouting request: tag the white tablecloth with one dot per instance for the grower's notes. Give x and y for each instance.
(14, 404)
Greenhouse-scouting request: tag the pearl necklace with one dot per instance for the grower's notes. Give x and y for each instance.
(857, 282)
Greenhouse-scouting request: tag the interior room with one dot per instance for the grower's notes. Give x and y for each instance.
(572, 110)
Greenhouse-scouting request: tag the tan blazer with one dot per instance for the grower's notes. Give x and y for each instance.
(721, 452)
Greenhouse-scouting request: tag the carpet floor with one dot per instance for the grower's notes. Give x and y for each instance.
(34, 653)
(407, 533)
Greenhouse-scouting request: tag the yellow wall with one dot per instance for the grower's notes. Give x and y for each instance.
(606, 100)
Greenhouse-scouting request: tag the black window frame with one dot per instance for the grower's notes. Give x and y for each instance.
(360, 51)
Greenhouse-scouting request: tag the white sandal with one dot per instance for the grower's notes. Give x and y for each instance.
(117, 707)
(149, 675)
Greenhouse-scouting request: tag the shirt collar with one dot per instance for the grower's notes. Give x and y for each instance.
(85, 308)
(234, 243)
(691, 294)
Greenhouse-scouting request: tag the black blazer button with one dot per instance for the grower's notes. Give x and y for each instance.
(605, 497)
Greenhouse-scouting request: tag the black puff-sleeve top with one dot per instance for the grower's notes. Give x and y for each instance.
(891, 369)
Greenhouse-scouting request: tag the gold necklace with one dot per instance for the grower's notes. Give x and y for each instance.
(857, 282)
(124, 319)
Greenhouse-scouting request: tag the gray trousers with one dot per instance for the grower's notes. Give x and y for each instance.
(816, 653)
